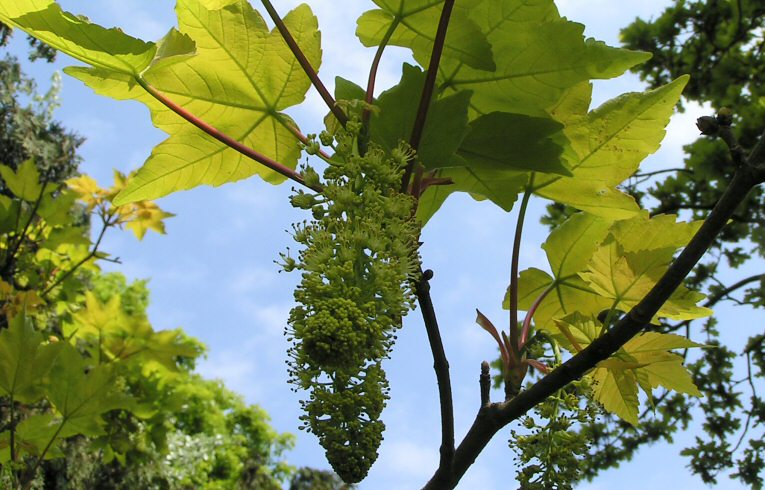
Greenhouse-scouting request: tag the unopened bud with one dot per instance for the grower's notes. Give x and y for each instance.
(708, 125)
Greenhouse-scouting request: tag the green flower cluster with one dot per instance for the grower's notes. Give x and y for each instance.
(357, 258)
(551, 450)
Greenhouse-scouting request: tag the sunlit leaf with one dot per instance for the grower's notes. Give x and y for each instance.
(607, 145)
(415, 23)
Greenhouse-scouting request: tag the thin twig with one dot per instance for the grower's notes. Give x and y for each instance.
(736, 151)
(657, 172)
(80, 263)
(305, 64)
(485, 384)
(718, 296)
(754, 395)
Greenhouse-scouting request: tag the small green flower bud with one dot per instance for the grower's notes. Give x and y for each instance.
(326, 138)
(725, 116)
(353, 127)
(311, 177)
(302, 200)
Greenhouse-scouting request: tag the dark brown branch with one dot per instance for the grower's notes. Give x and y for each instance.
(304, 63)
(492, 418)
(736, 151)
(441, 366)
(427, 90)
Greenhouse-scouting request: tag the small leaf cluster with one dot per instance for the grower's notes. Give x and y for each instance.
(357, 258)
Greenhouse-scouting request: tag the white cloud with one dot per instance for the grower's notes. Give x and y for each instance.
(404, 459)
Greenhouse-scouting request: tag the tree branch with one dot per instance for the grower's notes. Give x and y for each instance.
(81, 262)
(715, 298)
(442, 478)
(305, 64)
(491, 419)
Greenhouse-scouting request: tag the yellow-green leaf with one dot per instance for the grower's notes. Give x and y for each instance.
(607, 146)
(415, 23)
(24, 182)
(617, 391)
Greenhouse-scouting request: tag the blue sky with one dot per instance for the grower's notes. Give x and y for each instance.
(213, 273)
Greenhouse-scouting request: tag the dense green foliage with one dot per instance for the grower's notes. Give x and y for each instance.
(500, 106)
(99, 399)
(721, 44)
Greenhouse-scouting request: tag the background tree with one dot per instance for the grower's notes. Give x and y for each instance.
(180, 431)
(721, 44)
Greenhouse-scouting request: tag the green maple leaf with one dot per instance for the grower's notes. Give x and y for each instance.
(616, 390)
(607, 146)
(110, 49)
(38, 433)
(569, 249)
(504, 141)
(445, 127)
(24, 182)
(415, 23)
(110, 335)
(598, 264)
(81, 398)
(644, 362)
(224, 66)
(538, 56)
(628, 265)
(24, 361)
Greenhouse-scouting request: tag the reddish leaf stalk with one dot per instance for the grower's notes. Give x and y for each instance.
(304, 63)
(428, 89)
(370, 95)
(223, 137)
(530, 314)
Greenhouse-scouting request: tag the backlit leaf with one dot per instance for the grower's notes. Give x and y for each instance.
(607, 146)
(538, 56)
(224, 66)
(415, 23)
